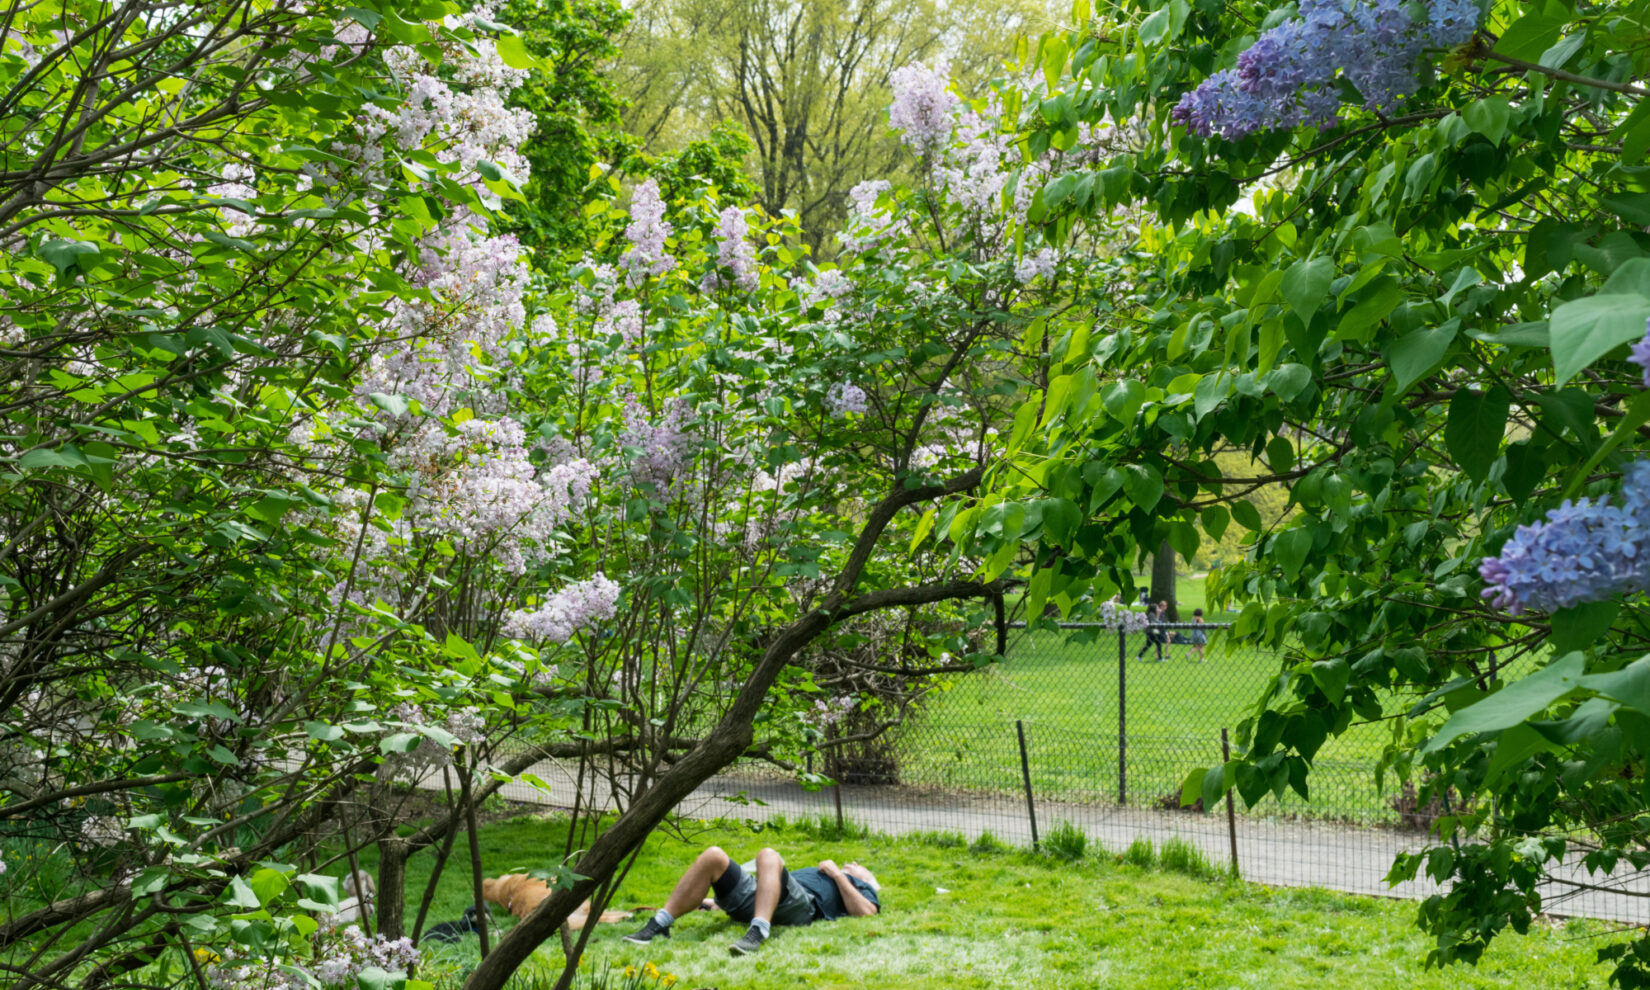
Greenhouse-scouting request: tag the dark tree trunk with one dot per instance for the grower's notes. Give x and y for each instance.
(392, 886)
(1163, 568)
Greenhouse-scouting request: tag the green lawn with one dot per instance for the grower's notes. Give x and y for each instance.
(1066, 694)
(1012, 919)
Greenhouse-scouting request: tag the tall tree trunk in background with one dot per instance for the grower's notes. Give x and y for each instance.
(1163, 568)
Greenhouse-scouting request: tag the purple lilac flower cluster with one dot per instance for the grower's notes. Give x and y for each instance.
(1641, 354)
(922, 107)
(1289, 76)
(646, 233)
(574, 608)
(1585, 551)
(662, 447)
(733, 252)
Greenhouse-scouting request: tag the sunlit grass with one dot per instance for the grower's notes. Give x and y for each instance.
(1014, 919)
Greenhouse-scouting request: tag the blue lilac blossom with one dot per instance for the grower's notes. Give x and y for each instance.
(1585, 551)
(1641, 354)
(1290, 75)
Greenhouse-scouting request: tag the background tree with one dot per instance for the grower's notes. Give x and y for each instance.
(576, 112)
(809, 82)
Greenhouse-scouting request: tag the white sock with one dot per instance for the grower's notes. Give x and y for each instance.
(662, 918)
(762, 926)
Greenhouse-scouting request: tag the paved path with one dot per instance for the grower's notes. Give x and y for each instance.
(1280, 853)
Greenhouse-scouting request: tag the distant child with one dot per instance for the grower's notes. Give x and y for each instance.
(1198, 637)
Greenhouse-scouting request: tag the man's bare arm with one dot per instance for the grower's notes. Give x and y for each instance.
(858, 905)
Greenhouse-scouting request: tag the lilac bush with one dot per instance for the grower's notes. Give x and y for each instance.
(1289, 76)
(1585, 551)
(1641, 355)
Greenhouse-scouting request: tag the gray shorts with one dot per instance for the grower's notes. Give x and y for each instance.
(735, 893)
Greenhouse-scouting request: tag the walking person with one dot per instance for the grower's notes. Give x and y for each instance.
(1156, 635)
(1199, 638)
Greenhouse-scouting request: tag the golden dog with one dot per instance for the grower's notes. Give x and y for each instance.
(519, 894)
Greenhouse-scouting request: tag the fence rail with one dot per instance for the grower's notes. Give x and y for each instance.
(1088, 728)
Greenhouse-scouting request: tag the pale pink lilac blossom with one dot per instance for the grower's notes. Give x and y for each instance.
(572, 610)
(647, 233)
(923, 106)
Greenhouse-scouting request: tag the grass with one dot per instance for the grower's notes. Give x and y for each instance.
(1066, 693)
(1012, 918)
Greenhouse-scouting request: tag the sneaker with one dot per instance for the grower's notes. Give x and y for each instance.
(648, 933)
(748, 942)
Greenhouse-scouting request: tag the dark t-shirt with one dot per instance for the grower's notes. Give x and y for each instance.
(827, 896)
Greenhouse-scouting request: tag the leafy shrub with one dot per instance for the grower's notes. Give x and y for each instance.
(1066, 841)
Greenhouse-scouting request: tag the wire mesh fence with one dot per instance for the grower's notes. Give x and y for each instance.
(1097, 730)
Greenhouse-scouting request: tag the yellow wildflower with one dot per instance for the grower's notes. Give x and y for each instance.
(650, 971)
(630, 972)
(668, 981)
(206, 956)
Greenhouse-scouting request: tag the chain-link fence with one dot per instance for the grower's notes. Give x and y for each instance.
(1095, 730)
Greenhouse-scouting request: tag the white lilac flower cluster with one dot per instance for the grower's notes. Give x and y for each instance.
(845, 398)
(260, 974)
(733, 253)
(573, 609)
(465, 725)
(479, 485)
(462, 124)
(923, 105)
(823, 290)
(825, 713)
(647, 232)
(867, 225)
(341, 955)
(1116, 615)
(102, 831)
(351, 950)
(1291, 75)
(1036, 264)
(1584, 551)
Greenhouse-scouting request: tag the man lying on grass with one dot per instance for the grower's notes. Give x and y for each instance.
(762, 893)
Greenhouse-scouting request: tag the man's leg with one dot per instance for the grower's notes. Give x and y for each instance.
(770, 883)
(689, 893)
(770, 867)
(696, 882)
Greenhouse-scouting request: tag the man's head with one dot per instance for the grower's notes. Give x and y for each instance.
(860, 872)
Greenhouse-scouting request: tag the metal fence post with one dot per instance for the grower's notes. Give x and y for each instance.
(1231, 813)
(1122, 718)
(836, 792)
(1025, 775)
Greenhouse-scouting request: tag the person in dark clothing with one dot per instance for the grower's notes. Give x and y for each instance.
(1155, 634)
(763, 893)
